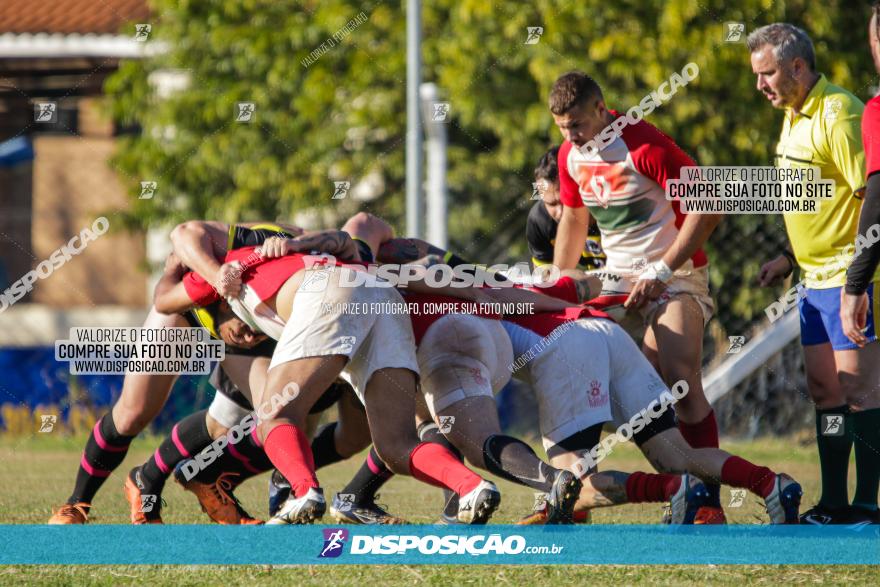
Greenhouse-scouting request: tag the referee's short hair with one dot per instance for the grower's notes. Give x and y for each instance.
(787, 41)
(571, 90)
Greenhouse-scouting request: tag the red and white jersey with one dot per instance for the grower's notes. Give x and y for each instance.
(624, 188)
(871, 134)
(261, 279)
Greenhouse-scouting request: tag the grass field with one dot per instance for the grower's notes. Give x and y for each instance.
(37, 473)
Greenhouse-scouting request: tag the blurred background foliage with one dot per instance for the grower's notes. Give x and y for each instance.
(343, 116)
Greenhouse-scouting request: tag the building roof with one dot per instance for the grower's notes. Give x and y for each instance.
(72, 16)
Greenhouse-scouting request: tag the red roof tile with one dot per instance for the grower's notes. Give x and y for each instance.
(71, 16)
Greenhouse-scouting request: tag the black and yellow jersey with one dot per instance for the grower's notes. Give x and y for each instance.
(541, 236)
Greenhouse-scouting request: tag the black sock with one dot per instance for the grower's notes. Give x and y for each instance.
(370, 477)
(324, 446)
(866, 439)
(245, 459)
(105, 450)
(430, 432)
(187, 438)
(515, 461)
(834, 452)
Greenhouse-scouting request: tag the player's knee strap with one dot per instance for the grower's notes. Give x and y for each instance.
(581, 441)
(655, 427)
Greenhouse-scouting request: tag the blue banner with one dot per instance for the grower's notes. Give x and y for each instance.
(496, 544)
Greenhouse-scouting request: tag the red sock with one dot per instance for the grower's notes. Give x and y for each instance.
(703, 434)
(651, 487)
(288, 449)
(738, 472)
(435, 464)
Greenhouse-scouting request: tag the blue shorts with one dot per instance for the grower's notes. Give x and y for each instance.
(820, 318)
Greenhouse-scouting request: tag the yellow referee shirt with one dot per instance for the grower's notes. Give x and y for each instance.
(826, 133)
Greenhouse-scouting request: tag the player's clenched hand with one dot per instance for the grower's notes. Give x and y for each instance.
(644, 291)
(227, 281)
(854, 316)
(774, 271)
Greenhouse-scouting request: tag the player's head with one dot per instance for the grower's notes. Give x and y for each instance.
(233, 330)
(578, 107)
(784, 61)
(547, 178)
(874, 34)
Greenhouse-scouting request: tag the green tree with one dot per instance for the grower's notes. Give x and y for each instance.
(342, 117)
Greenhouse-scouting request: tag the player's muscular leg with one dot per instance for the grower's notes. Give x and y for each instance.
(247, 373)
(858, 373)
(822, 381)
(674, 344)
(390, 399)
(476, 419)
(311, 376)
(143, 396)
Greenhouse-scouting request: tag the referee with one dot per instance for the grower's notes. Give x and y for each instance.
(822, 129)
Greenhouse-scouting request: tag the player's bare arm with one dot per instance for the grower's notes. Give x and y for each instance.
(334, 242)
(573, 228)
(170, 296)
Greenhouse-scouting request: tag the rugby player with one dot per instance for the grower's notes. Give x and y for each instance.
(854, 301)
(142, 398)
(821, 129)
(543, 220)
(588, 372)
(654, 253)
(464, 360)
(318, 340)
